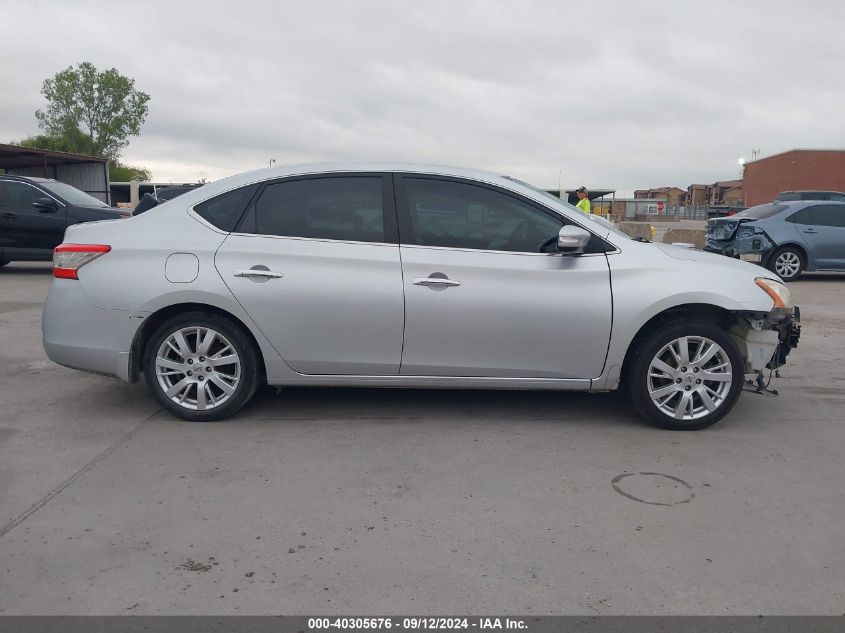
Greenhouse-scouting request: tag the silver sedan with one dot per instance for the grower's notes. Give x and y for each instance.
(384, 275)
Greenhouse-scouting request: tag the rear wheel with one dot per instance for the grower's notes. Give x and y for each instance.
(686, 376)
(201, 367)
(788, 263)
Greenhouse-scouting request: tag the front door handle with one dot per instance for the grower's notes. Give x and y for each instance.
(258, 272)
(435, 281)
(9, 216)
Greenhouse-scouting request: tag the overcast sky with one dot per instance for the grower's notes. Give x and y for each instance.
(605, 94)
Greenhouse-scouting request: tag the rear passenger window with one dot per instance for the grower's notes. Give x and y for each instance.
(225, 210)
(828, 215)
(340, 208)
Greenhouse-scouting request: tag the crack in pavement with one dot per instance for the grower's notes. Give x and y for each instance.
(67, 482)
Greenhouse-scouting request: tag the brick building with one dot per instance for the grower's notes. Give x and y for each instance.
(674, 196)
(725, 192)
(796, 169)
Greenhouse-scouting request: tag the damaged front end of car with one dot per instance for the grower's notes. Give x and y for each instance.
(765, 339)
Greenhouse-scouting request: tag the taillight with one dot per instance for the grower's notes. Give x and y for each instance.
(69, 258)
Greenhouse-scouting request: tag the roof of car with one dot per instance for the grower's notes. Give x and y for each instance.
(365, 166)
(811, 191)
(268, 173)
(26, 178)
(211, 190)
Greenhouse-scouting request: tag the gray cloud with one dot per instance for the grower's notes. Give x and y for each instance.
(619, 94)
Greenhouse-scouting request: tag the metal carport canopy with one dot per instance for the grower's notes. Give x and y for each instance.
(64, 167)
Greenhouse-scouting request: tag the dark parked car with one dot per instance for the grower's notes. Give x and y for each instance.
(34, 213)
(789, 196)
(788, 238)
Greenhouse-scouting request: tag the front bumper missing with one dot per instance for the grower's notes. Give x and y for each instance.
(789, 333)
(765, 339)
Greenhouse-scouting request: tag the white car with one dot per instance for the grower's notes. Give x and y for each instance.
(389, 275)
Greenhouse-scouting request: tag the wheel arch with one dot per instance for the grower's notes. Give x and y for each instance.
(153, 321)
(809, 262)
(722, 317)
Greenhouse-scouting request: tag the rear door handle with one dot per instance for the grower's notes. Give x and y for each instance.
(810, 231)
(258, 272)
(9, 216)
(435, 281)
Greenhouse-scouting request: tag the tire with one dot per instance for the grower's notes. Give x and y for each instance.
(787, 263)
(202, 391)
(645, 379)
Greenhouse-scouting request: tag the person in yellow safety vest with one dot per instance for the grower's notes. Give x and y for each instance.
(583, 200)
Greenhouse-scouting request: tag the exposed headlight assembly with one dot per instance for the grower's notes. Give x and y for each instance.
(779, 293)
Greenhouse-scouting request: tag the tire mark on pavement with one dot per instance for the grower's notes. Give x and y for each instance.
(67, 482)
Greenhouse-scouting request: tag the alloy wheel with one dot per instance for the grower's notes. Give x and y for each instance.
(787, 264)
(689, 378)
(197, 368)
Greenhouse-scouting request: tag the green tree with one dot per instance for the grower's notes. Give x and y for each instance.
(92, 112)
(119, 172)
(75, 142)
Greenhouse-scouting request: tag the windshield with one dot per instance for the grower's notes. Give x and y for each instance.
(603, 224)
(72, 195)
(760, 212)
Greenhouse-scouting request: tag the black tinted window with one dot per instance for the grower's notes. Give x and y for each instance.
(225, 210)
(827, 215)
(459, 215)
(345, 208)
(19, 195)
(800, 217)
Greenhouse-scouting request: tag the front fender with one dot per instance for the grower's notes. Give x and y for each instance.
(647, 284)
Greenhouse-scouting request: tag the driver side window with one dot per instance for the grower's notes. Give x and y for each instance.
(460, 215)
(19, 196)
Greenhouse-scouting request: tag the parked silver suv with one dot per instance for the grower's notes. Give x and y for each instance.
(385, 275)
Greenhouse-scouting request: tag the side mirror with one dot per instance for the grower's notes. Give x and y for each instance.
(45, 205)
(572, 240)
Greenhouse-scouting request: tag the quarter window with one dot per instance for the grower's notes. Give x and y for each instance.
(800, 217)
(460, 215)
(828, 215)
(338, 208)
(225, 210)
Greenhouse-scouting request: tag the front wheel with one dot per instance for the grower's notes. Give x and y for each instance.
(686, 376)
(201, 367)
(787, 263)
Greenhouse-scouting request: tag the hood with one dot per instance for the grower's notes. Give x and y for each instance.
(109, 210)
(728, 265)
